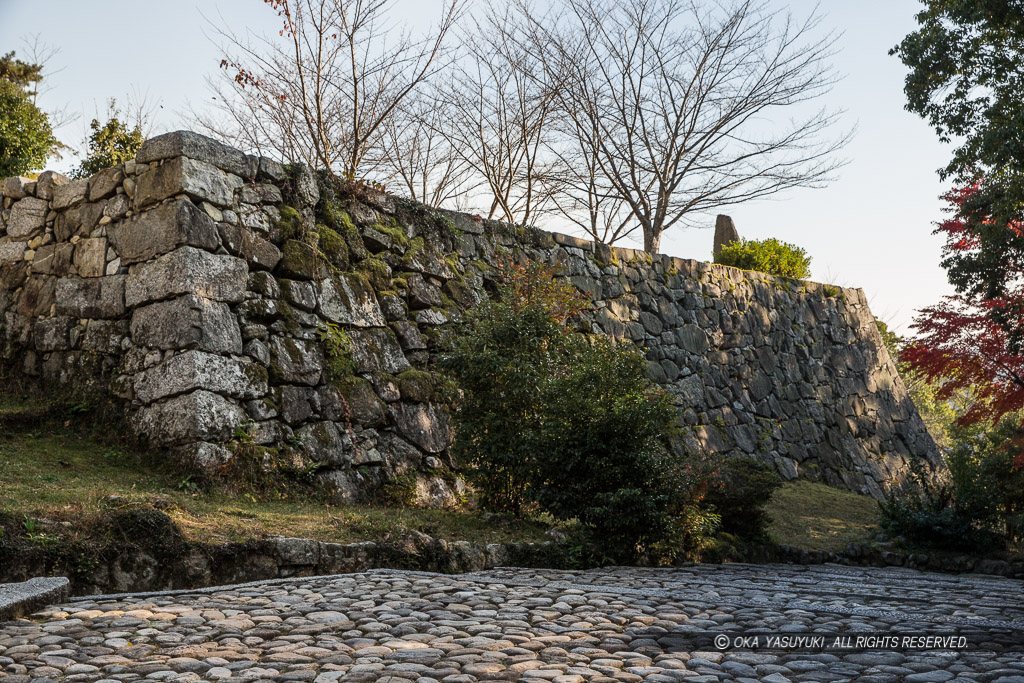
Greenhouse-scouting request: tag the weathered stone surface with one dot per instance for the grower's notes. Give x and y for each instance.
(188, 322)
(300, 261)
(422, 294)
(183, 143)
(198, 179)
(14, 187)
(20, 599)
(408, 335)
(104, 183)
(53, 334)
(91, 257)
(353, 400)
(425, 424)
(259, 253)
(163, 229)
(187, 270)
(377, 350)
(28, 216)
(296, 404)
(101, 297)
(300, 293)
(349, 300)
(12, 252)
(198, 416)
(54, 259)
(323, 442)
(192, 370)
(38, 296)
(47, 182)
(70, 193)
(295, 361)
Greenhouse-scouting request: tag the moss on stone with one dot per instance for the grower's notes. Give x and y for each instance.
(416, 245)
(289, 225)
(377, 272)
(416, 385)
(394, 231)
(333, 246)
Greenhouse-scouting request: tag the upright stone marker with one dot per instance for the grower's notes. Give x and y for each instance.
(725, 233)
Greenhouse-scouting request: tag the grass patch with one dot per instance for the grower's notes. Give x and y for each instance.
(817, 517)
(56, 473)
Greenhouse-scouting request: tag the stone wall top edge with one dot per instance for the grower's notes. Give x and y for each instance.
(199, 147)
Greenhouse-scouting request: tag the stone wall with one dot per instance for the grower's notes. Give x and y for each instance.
(239, 310)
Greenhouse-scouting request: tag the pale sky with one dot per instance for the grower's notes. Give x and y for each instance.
(871, 228)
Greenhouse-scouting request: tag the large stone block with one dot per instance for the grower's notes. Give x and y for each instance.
(324, 442)
(14, 187)
(53, 259)
(259, 253)
(377, 350)
(28, 216)
(101, 297)
(48, 182)
(38, 296)
(198, 416)
(349, 300)
(12, 252)
(183, 143)
(295, 361)
(53, 334)
(425, 424)
(188, 322)
(91, 256)
(161, 230)
(187, 270)
(193, 370)
(198, 179)
(70, 194)
(105, 182)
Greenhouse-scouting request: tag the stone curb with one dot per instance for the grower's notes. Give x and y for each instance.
(19, 599)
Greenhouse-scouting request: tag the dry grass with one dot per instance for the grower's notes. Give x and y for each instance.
(818, 517)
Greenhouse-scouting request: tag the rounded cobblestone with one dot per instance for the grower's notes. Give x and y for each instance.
(527, 625)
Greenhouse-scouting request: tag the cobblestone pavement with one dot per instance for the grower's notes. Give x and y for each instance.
(531, 626)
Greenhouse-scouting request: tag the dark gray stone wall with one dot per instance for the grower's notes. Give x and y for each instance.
(182, 286)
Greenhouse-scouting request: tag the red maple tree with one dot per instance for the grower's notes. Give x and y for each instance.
(965, 342)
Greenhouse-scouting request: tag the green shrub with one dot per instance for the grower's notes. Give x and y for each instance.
(569, 424)
(767, 256)
(977, 504)
(741, 496)
(602, 442)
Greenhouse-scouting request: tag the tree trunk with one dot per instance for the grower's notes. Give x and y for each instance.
(652, 240)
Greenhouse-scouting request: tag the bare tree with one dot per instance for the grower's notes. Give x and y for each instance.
(324, 90)
(501, 105)
(419, 154)
(681, 107)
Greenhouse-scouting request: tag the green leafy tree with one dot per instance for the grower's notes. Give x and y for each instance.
(26, 136)
(26, 139)
(966, 77)
(555, 420)
(23, 74)
(770, 256)
(110, 143)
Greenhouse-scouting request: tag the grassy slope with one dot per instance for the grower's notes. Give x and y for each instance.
(50, 470)
(818, 517)
(54, 470)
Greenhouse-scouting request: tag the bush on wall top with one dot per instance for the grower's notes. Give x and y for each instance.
(770, 256)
